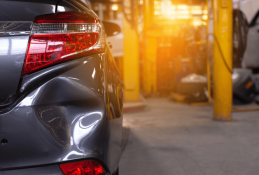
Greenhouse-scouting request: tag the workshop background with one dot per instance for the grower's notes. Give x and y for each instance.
(190, 71)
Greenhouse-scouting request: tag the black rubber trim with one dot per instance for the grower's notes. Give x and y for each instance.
(56, 8)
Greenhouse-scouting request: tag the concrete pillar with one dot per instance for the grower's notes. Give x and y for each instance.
(222, 91)
(130, 63)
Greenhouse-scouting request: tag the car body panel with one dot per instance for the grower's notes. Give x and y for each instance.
(75, 6)
(12, 54)
(22, 10)
(15, 20)
(76, 123)
(44, 170)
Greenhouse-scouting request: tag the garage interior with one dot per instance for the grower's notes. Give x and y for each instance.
(190, 71)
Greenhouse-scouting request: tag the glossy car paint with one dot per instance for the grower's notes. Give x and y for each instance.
(16, 19)
(25, 10)
(67, 112)
(16, 16)
(44, 170)
(12, 53)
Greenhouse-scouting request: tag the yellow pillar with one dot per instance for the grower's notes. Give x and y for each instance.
(209, 44)
(149, 77)
(222, 91)
(147, 12)
(149, 65)
(130, 63)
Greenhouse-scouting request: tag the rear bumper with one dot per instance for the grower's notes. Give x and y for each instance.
(46, 170)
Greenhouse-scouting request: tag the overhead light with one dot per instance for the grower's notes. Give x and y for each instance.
(182, 7)
(115, 7)
(204, 17)
(197, 23)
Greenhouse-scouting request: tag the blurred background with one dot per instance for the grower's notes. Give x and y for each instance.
(186, 64)
(161, 46)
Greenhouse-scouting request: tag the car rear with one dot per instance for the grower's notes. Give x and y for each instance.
(60, 92)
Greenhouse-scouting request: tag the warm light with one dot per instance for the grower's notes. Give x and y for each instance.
(115, 7)
(182, 7)
(185, 12)
(197, 23)
(141, 2)
(157, 13)
(183, 16)
(164, 9)
(204, 17)
(173, 7)
(173, 13)
(156, 2)
(196, 10)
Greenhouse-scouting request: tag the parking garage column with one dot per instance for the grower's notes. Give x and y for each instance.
(130, 63)
(222, 60)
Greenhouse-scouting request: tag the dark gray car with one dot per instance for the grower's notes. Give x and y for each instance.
(60, 91)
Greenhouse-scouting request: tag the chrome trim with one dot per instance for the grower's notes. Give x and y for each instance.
(53, 28)
(15, 28)
(15, 33)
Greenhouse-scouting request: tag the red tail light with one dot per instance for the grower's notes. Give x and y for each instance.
(59, 37)
(82, 168)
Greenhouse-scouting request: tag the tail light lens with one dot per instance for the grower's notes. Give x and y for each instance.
(62, 36)
(82, 168)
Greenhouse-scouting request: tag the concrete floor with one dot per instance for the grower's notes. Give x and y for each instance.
(177, 139)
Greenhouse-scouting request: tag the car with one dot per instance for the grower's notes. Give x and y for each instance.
(61, 96)
(115, 36)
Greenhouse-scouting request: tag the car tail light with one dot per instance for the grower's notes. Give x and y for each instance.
(62, 36)
(89, 167)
